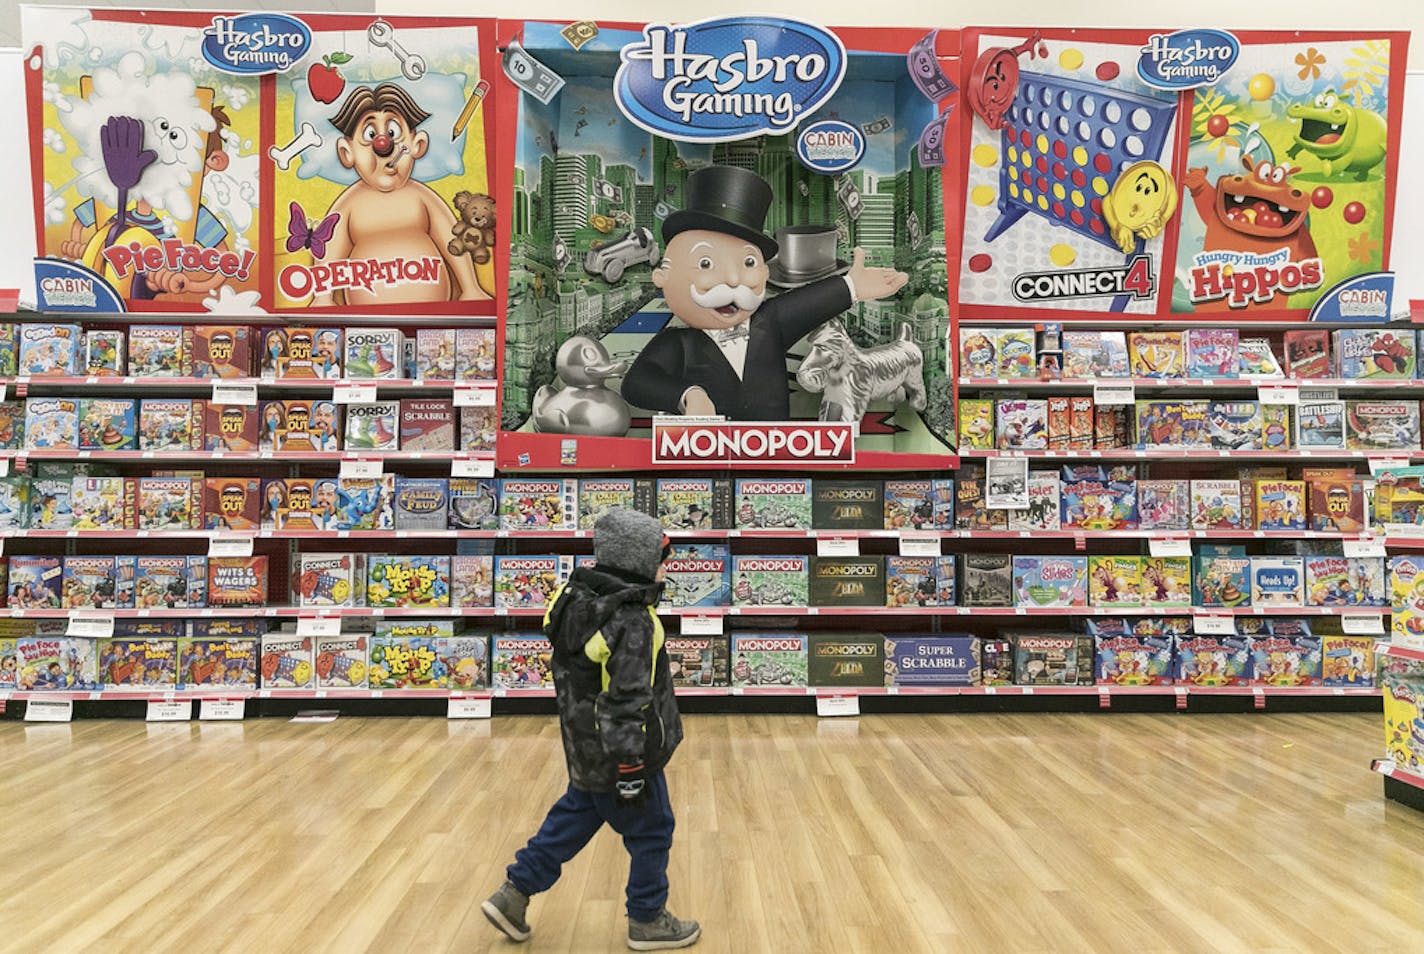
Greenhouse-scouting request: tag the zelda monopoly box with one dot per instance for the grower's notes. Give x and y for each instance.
(847, 581)
(769, 659)
(848, 504)
(846, 659)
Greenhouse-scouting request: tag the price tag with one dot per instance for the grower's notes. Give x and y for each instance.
(1114, 394)
(701, 626)
(1318, 395)
(354, 393)
(319, 626)
(90, 625)
(229, 393)
(4, 467)
(1204, 625)
(362, 469)
(472, 467)
(169, 710)
(920, 545)
(1169, 547)
(222, 710)
(1378, 464)
(468, 707)
(474, 397)
(220, 546)
(49, 710)
(837, 546)
(1362, 624)
(1361, 549)
(838, 705)
(1278, 394)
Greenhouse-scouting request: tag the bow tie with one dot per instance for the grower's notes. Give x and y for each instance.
(724, 335)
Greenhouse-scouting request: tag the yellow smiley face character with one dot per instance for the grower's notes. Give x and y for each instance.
(1139, 204)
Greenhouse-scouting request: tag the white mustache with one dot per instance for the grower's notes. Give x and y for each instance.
(719, 296)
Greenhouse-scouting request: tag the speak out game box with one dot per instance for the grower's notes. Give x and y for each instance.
(222, 351)
(699, 661)
(698, 574)
(846, 659)
(695, 503)
(538, 504)
(773, 503)
(769, 659)
(295, 352)
(847, 581)
(232, 503)
(932, 660)
(230, 427)
(847, 505)
(770, 580)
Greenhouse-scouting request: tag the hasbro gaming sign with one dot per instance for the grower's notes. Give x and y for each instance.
(255, 43)
(1187, 59)
(726, 79)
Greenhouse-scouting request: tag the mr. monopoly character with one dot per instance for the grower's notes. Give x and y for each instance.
(730, 359)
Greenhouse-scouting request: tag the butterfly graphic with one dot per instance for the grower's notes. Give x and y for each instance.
(301, 235)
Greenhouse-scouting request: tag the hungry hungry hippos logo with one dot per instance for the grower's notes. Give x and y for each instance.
(729, 78)
(256, 43)
(1187, 59)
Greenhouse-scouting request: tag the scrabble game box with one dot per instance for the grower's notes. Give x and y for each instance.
(932, 660)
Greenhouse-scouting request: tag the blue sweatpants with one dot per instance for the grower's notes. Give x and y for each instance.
(577, 817)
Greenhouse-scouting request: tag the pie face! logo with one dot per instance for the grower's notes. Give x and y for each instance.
(725, 79)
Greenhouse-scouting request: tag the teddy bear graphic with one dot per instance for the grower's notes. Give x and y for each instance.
(474, 229)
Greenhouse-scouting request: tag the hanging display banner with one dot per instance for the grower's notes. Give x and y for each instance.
(241, 163)
(739, 220)
(1123, 173)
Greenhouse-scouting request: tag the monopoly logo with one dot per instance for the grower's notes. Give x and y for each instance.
(1135, 279)
(845, 649)
(683, 644)
(255, 43)
(299, 281)
(736, 443)
(830, 146)
(542, 564)
(536, 487)
(523, 645)
(827, 570)
(1187, 59)
(1039, 644)
(770, 565)
(730, 78)
(847, 494)
(1243, 278)
(784, 487)
(769, 645)
(695, 566)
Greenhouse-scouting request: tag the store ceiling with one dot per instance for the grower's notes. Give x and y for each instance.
(10, 9)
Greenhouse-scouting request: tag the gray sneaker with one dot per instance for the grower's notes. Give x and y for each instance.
(505, 910)
(664, 933)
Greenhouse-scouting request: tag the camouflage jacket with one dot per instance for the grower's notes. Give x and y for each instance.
(611, 677)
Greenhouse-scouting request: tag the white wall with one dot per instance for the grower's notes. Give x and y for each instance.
(17, 229)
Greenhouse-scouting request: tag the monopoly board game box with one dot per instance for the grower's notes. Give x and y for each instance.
(769, 659)
(846, 659)
(819, 184)
(699, 661)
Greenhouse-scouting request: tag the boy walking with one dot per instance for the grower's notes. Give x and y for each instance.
(620, 725)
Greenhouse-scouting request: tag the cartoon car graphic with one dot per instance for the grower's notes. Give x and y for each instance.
(609, 259)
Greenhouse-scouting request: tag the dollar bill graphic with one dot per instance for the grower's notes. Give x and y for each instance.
(850, 197)
(932, 141)
(530, 75)
(878, 126)
(925, 71)
(912, 225)
(579, 33)
(561, 253)
(662, 210)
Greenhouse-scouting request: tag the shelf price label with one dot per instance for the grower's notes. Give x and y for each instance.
(231, 393)
(1208, 625)
(222, 710)
(468, 707)
(1278, 393)
(837, 546)
(1114, 394)
(362, 469)
(230, 546)
(169, 710)
(319, 626)
(1378, 464)
(1318, 395)
(49, 710)
(701, 626)
(353, 393)
(840, 704)
(1364, 548)
(90, 625)
(467, 396)
(472, 467)
(1362, 624)
(920, 545)
(1169, 547)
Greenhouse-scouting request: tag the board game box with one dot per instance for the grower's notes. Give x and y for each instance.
(471, 580)
(1277, 581)
(12, 425)
(1320, 424)
(1156, 354)
(1094, 354)
(1276, 420)
(1375, 353)
(91, 582)
(55, 663)
(1082, 422)
(1133, 660)
(1234, 425)
(1095, 497)
(170, 424)
(1216, 504)
(846, 659)
(474, 354)
(527, 582)
(1060, 422)
(699, 661)
(971, 504)
(329, 579)
(478, 428)
(1041, 581)
(49, 350)
(367, 503)
(1044, 508)
(374, 426)
(1213, 660)
(912, 504)
(932, 660)
(538, 504)
(1212, 353)
(1336, 501)
(1221, 576)
(848, 504)
(107, 424)
(104, 503)
(1113, 426)
(1051, 660)
(51, 422)
(14, 503)
(232, 503)
(237, 581)
(221, 351)
(769, 659)
(287, 662)
(694, 503)
(1308, 353)
(978, 353)
(435, 354)
(1347, 661)
(1115, 581)
(405, 654)
(407, 581)
(770, 580)
(976, 424)
(375, 354)
(1345, 581)
(598, 495)
(1382, 425)
(847, 581)
(217, 661)
(465, 658)
(50, 503)
(698, 574)
(779, 503)
(986, 579)
(1021, 424)
(1166, 581)
(156, 351)
(427, 424)
(1164, 504)
(919, 581)
(230, 427)
(294, 352)
(522, 661)
(474, 503)
(341, 661)
(309, 426)
(170, 503)
(1016, 355)
(422, 503)
(1257, 359)
(1174, 425)
(1280, 505)
(171, 582)
(126, 663)
(1283, 661)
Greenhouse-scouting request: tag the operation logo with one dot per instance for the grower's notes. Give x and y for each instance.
(256, 43)
(1187, 59)
(830, 146)
(725, 79)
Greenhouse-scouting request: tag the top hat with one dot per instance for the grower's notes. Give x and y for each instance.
(725, 199)
(808, 254)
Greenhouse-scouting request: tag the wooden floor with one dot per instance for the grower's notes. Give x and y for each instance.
(901, 833)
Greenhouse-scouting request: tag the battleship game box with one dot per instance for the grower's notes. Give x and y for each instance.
(846, 659)
(699, 661)
(698, 574)
(695, 503)
(773, 503)
(847, 581)
(932, 660)
(770, 580)
(777, 660)
(848, 504)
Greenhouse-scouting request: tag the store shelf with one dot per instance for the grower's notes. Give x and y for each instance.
(1390, 770)
(107, 456)
(1245, 323)
(132, 695)
(255, 534)
(1129, 453)
(145, 384)
(1172, 384)
(1400, 652)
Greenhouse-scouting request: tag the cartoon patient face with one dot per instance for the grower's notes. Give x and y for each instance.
(383, 150)
(711, 279)
(1262, 203)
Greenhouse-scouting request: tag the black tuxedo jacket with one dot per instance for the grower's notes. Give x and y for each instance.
(679, 358)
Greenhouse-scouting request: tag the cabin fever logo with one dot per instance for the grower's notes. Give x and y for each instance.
(1186, 59)
(830, 146)
(255, 43)
(731, 78)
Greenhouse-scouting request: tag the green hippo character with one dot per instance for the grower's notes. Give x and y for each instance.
(1346, 139)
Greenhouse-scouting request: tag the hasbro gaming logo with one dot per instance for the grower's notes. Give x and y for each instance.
(726, 79)
(1186, 59)
(830, 146)
(255, 43)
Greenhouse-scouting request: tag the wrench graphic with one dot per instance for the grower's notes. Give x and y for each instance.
(381, 33)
